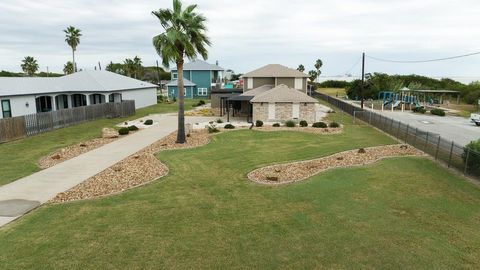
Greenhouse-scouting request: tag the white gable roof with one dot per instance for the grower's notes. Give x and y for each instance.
(185, 83)
(198, 64)
(83, 81)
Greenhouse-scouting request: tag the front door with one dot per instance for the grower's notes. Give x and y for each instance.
(271, 111)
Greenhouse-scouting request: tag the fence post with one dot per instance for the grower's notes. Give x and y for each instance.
(438, 147)
(354, 116)
(466, 161)
(415, 137)
(426, 142)
(370, 117)
(450, 156)
(398, 130)
(406, 133)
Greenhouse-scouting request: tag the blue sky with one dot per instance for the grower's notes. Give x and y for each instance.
(250, 33)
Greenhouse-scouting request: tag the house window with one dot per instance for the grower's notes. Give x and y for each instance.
(6, 109)
(202, 91)
(174, 75)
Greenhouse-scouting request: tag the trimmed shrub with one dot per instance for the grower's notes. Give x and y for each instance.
(473, 163)
(419, 110)
(334, 125)
(148, 122)
(438, 112)
(219, 121)
(290, 123)
(199, 103)
(276, 125)
(133, 128)
(123, 131)
(303, 123)
(212, 128)
(258, 123)
(229, 126)
(319, 125)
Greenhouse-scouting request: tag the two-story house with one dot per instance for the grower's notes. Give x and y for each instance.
(275, 74)
(199, 78)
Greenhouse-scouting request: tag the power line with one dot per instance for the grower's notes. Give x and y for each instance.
(354, 65)
(422, 61)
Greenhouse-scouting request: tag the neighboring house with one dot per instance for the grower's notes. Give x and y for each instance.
(205, 76)
(27, 95)
(188, 85)
(275, 75)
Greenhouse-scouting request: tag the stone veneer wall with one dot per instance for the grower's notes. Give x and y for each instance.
(283, 112)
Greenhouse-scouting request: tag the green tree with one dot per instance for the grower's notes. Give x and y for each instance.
(72, 38)
(301, 68)
(68, 68)
(318, 65)
(312, 75)
(29, 65)
(184, 36)
(129, 67)
(137, 66)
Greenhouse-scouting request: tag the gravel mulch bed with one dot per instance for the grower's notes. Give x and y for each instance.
(72, 151)
(297, 171)
(302, 129)
(136, 170)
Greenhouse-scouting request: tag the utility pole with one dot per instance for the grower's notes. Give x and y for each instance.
(363, 80)
(47, 71)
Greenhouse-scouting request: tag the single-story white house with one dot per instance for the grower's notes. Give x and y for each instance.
(27, 95)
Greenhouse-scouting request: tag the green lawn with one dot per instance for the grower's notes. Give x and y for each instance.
(19, 158)
(334, 92)
(401, 213)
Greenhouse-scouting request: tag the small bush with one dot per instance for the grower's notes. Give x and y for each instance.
(219, 121)
(276, 125)
(303, 123)
(319, 125)
(123, 131)
(473, 163)
(290, 123)
(212, 128)
(334, 125)
(174, 99)
(160, 99)
(148, 122)
(419, 110)
(133, 128)
(199, 103)
(258, 123)
(229, 126)
(438, 112)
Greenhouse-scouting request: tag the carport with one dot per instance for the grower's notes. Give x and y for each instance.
(437, 93)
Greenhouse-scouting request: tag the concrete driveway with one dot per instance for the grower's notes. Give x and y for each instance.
(25, 194)
(452, 128)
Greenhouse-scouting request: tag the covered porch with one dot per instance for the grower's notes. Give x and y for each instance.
(238, 107)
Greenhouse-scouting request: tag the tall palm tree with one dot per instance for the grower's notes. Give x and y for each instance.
(68, 68)
(72, 38)
(29, 65)
(137, 66)
(184, 36)
(301, 68)
(129, 67)
(318, 65)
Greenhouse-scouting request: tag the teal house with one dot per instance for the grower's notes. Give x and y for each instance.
(199, 77)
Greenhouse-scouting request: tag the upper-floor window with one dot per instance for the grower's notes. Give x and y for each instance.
(174, 75)
(6, 109)
(202, 91)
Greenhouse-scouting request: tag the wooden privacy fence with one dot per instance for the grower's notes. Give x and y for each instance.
(31, 124)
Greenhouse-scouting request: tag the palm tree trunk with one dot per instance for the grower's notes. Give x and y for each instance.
(181, 104)
(73, 59)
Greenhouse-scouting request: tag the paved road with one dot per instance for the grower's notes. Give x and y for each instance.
(25, 194)
(452, 128)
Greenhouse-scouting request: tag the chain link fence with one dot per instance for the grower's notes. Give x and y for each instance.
(463, 159)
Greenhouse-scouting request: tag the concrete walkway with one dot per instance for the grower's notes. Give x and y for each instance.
(25, 194)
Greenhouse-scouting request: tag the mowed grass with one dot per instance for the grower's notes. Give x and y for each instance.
(401, 213)
(19, 158)
(334, 92)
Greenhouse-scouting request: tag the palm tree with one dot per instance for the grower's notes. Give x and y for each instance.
(318, 65)
(72, 38)
(68, 68)
(185, 35)
(129, 67)
(137, 66)
(301, 68)
(312, 75)
(29, 65)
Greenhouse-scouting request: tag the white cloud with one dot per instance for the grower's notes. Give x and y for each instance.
(247, 34)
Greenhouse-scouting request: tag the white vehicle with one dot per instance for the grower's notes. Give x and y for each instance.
(475, 117)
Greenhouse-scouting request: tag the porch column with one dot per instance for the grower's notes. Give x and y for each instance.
(88, 99)
(54, 103)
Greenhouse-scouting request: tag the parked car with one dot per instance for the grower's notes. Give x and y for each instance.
(475, 117)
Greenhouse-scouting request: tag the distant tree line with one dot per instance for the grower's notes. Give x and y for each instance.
(134, 68)
(377, 82)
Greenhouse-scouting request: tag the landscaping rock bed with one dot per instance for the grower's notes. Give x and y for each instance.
(72, 151)
(297, 171)
(136, 170)
(302, 129)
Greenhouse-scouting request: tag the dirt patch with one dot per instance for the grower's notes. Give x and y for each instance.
(297, 171)
(136, 170)
(72, 151)
(302, 129)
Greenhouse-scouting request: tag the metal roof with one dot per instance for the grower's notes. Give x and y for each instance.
(185, 83)
(283, 93)
(82, 81)
(198, 64)
(275, 71)
(437, 91)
